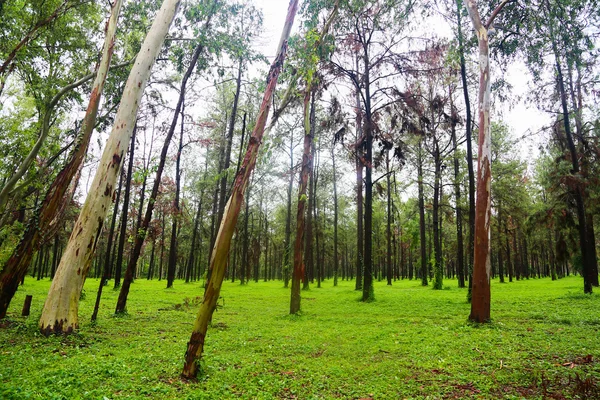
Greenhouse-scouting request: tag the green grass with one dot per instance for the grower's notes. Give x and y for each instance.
(411, 342)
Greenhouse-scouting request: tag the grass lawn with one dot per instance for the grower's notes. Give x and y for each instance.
(412, 342)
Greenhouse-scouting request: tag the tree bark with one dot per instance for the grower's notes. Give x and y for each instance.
(176, 209)
(16, 266)
(61, 307)
(125, 212)
(422, 236)
(298, 273)
(480, 301)
(223, 242)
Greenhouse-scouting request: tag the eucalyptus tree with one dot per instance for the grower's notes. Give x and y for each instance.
(17, 265)
(60, 309)
(480, 303)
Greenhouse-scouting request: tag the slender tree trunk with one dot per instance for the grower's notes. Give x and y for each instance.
(229, 141)
(469, 131)
(176, 208)
(16, 266)
(368, 293)
(124, 213)
(359, 196)
(288, 221)
(299, 272)
(141, 236)
(107, 258)
(437, 248)
(230, 216)
(423, 240)
(460, 250)
(390, 238)
(336, 261)
(61, 307)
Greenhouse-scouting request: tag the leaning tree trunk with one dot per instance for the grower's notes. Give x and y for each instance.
(61, 307)
(16, 266)
(218, 262)
(141, 236)
(482, 266)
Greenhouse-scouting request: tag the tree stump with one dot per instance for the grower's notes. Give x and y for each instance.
(26, 305)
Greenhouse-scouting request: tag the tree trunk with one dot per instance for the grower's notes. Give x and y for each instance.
(107, 257)
(298, 273)
(124, 212)
(359, 196)
(469, 140)
(459, 230)
(16, 266)
(61, 307)
(368, 293)
(229, 141)
(336, 261)
(176, 209)
(141, 236)
(223, 242)
(288, 220)
(390, 238)
(480, 303)
(437, 242)
(422, 236)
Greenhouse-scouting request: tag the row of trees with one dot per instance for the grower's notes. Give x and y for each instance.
(359, 91)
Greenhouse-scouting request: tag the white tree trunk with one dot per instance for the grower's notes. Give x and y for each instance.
(61, 307)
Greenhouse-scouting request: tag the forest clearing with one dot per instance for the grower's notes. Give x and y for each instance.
(400, 198)
(413, 342)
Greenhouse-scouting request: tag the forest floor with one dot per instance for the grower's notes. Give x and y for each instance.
(411, 342)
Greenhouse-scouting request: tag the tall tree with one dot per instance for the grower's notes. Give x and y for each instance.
(61, 306)
(16, 266)
(222, 245)
(482, 267)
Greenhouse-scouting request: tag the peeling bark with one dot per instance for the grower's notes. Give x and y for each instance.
(60, 309)
(16, 267)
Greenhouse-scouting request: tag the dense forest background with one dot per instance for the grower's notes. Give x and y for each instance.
(368, 163)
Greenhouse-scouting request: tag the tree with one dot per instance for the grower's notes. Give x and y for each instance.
(482, 268)
(60, 309)
(222, 245)
(312, 46)
(17, 265)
